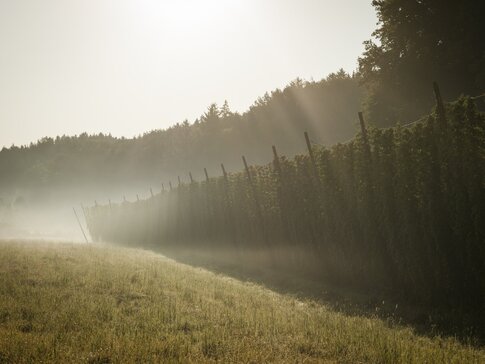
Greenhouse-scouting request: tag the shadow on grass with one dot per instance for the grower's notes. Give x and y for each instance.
(458, 322)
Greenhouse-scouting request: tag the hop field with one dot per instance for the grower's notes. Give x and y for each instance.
(100, 304)
(397, 209)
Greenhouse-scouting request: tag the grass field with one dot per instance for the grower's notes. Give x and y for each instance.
(99, 304)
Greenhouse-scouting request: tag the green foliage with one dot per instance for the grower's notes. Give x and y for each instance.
(418, 42)
(401, 209)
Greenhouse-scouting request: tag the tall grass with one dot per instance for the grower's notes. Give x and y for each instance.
(98, 304)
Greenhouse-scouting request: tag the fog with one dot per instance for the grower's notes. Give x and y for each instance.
(48, 214)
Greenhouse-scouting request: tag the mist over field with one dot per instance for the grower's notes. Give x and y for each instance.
(47, 212)
(245, 181)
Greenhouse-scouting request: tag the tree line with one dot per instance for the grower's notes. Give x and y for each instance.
(325, 108)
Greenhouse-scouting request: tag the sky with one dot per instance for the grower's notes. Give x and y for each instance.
(126, 67)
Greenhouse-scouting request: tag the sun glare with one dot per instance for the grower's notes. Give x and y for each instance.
(191, 14)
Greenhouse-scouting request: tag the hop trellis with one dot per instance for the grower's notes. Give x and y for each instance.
(400, 208)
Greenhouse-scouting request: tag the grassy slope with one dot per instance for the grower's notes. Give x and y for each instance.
(85, 303)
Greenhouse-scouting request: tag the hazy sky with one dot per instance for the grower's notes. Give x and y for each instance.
(126, 67)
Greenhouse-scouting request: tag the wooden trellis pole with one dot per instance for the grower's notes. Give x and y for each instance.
(277, 166)
(255, 195)
(84, 214)
(224, 173)
(276, 161)
(247, 171)
(365, 135)
(79, 222)
(230, 215)
(312, 156)
(363, 128)
(440, 106)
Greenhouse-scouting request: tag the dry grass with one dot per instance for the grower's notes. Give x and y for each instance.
(98, 304)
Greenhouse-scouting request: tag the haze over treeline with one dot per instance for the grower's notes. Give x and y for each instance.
(415, 43)
(326, 109)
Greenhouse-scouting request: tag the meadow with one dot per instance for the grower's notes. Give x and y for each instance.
(92, 303)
